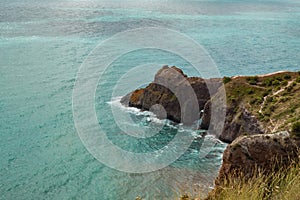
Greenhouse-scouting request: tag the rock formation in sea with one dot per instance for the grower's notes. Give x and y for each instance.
(175, 92)
(255, 104)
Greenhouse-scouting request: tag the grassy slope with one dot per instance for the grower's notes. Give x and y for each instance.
(273, 99)
(281, 185)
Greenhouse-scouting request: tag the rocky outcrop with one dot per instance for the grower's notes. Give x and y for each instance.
(238, 121)
(180, 96)
(268, 152)
(256, 160)
(252, 105)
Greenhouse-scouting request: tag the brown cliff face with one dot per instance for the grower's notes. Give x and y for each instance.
(238, 121)
(182, 97)
(268, 152)
(262, 164)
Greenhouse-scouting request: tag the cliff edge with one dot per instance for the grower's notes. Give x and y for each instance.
(254, 104)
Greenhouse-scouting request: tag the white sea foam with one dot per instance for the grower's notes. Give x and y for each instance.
(150, 117)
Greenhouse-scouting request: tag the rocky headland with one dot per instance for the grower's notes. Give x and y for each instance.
(173, 90)
(262, 115)
(254, 104)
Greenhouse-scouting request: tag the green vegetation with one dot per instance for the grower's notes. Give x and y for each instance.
(296, 129)
(252, 80)
(226, 79)
(267, 82)
(290, 88)
(284, 83)
(272, 97)
(294, 83)
(173, 98)
(277, 80)
(250, 91)
(256, 100)
(269, 99)
(287, 76)
(283, 184)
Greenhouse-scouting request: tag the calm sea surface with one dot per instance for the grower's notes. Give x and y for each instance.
(44, 43)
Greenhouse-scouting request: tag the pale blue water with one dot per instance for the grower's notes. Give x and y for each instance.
(43, 44)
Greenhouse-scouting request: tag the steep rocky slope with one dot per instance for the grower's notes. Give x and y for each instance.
(181, 97)
(248, 153)
(260, 104)
(255, 104)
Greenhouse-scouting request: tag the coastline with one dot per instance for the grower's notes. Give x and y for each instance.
(262, 75)
(253, 142)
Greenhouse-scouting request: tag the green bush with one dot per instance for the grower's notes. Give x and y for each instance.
(289, 88)
(265, 93)
(296, 129)
(275, 82)
(269, 99)
(250, 91)
(277, 88)
(267, 82)
(260, 115)
(226, 79)
(284, 83)
(232, 99)
(256, 100)
(252, 80)
(279, 78)
(287, 76)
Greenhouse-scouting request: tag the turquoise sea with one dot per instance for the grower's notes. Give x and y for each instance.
(42, 47)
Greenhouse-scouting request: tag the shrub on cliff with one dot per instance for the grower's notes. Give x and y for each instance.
(252, 80)
(226, 79)
(296, 129)
(287, 76)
